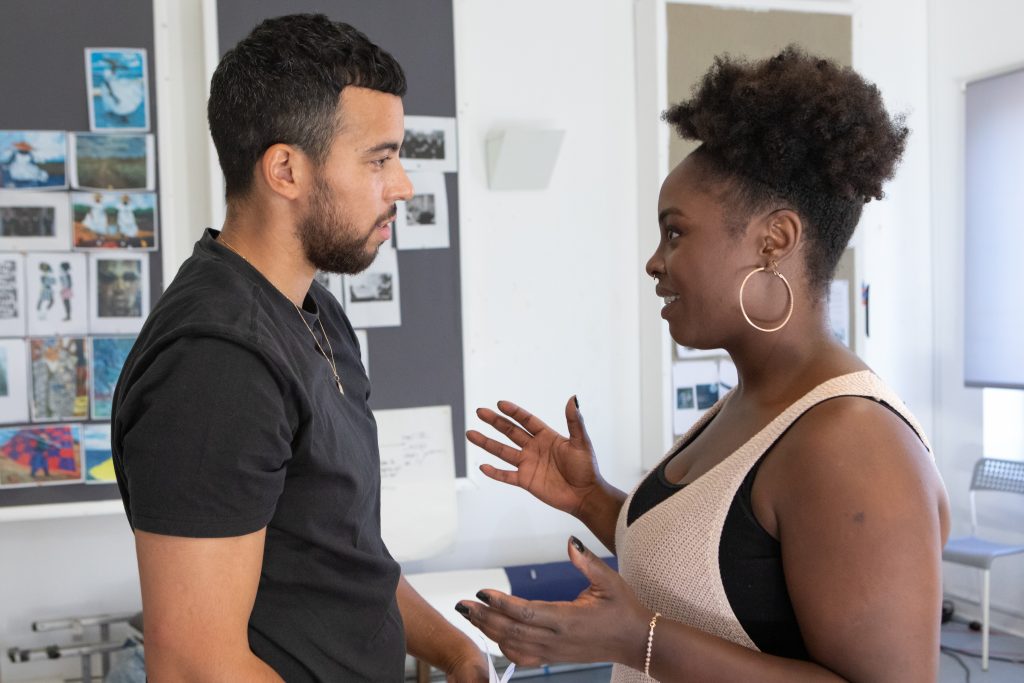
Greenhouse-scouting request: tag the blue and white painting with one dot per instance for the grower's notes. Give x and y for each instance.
(33, 159)
(108, 356)
(118, 89)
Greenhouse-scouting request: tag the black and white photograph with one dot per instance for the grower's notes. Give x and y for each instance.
(372, 297)
(13, 381)
(34, 221)
(119, 300)
(101, 161)
(422, 221)
(12, 295)
(118, 86)
(430, 144)
(57, 285)
(33, 159)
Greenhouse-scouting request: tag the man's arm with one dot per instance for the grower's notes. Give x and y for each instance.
(431, 638)
(197, 595)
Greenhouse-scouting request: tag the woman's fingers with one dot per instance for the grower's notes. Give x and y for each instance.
(510, 477)
(528, 642)
(513, 456)
(514, 432)
(574, 420)
(530, 422)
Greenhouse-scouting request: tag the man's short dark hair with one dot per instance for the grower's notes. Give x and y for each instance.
(281, 84)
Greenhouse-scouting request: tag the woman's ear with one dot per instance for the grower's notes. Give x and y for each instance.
(783, 234)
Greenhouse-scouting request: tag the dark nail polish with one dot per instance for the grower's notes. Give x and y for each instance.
(576, 543)
(483, 597)
(576, 401)
(462, 609)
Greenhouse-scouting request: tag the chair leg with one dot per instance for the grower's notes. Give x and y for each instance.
(984, 620)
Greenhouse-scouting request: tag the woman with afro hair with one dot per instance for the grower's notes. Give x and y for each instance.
(795, 532)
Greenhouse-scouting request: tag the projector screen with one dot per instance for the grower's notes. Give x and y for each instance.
(994, 232)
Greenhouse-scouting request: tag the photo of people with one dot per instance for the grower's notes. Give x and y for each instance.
(114, 220)
(112, 161)
(118, 85)
(30, 456)
(60, 379)
(12, 295)
(429, 144)
(33, 159)
(56, 301)
(120, 298)
(34, 221)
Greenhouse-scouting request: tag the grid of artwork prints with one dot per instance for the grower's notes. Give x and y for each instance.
(79, 222)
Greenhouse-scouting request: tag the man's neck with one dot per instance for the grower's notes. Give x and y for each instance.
(270, 246)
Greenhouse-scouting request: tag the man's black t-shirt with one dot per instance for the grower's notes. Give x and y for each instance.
(227, 419)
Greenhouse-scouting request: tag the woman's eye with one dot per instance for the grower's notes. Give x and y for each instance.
(672, 233)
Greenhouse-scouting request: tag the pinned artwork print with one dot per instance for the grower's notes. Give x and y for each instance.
(12, 295)
(120, 295)
(99, 460)
(33, 159)
(108, 356)
(13, 381)
(33, 456)
(57, 293)
(100, 161)
(34, 221)
(60, 379)
(118, 86)
(114, 220)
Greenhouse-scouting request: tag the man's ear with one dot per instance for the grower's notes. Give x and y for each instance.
(285, 170)
(783, 233)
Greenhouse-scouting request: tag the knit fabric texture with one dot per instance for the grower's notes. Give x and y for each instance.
(669, 555)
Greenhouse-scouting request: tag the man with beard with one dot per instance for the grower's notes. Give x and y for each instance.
(245, 451)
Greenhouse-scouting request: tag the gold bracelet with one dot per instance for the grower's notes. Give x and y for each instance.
(650, 644)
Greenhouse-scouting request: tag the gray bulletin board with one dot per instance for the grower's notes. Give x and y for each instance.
(42, 78)
(420, 362)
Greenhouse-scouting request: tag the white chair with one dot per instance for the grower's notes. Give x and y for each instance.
(1006, 476)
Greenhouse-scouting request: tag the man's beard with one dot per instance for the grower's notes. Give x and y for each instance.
(330, 242)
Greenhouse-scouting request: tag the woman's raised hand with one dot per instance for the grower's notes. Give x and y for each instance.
(559, 471)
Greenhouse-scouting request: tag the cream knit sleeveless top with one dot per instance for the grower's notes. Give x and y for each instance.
(669, 555)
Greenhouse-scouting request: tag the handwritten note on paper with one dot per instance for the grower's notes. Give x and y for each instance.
(417, 481)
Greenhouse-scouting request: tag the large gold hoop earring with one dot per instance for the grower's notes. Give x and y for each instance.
(771, 269)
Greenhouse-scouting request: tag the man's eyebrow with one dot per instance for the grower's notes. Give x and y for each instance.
(383, 147)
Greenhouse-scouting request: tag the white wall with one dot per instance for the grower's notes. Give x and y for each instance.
(967, 41)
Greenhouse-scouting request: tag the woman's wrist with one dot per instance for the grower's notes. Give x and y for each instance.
(599, 510)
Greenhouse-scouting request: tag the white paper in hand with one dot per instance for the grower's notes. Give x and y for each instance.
(494, 678)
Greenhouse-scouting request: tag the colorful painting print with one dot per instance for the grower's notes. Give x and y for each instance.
(33, 159)
(112, 162)
(119, 302)
(40, 455)
(118, 85)
(108, 354)
(114, 220)
(60, 379)
(99, 460)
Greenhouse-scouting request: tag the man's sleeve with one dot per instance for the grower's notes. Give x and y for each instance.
(205, 441)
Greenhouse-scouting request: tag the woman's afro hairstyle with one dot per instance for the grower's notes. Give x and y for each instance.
(799, 131)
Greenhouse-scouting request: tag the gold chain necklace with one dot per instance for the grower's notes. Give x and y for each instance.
(329, 358)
